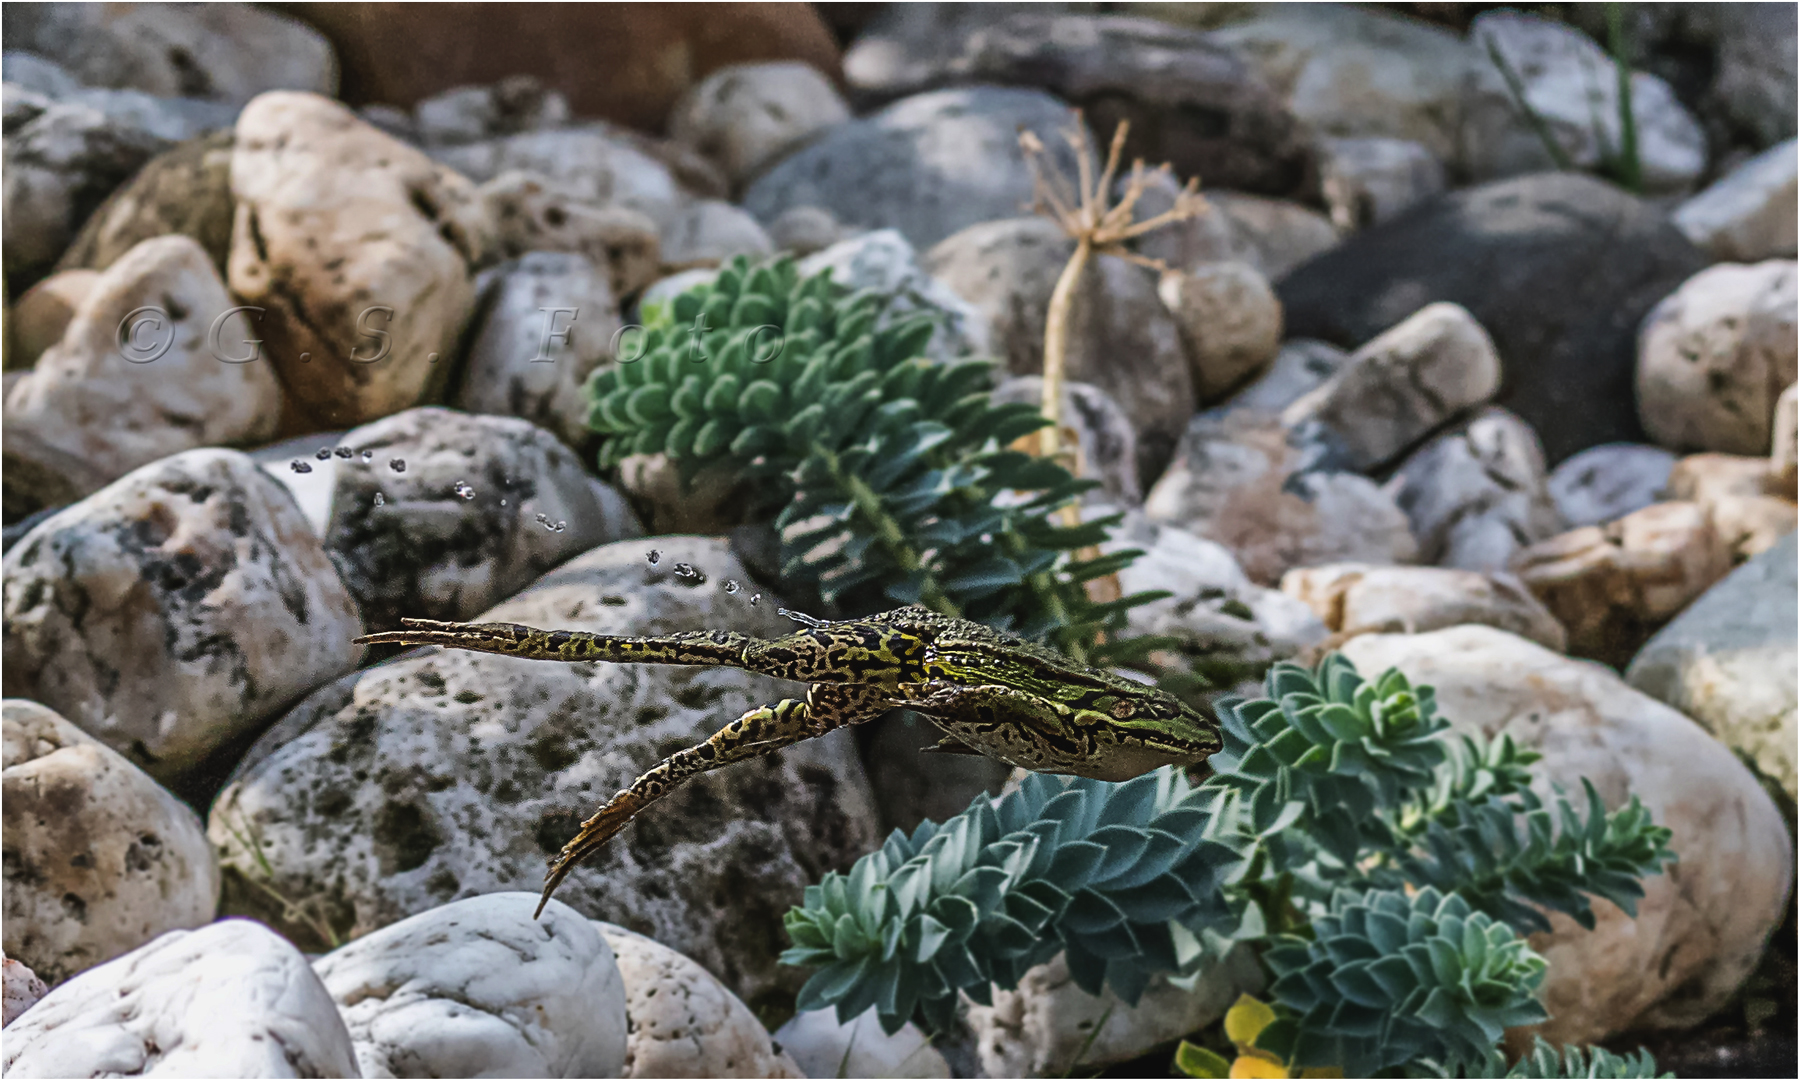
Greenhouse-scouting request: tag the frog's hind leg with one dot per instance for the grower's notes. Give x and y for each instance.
(717, 648)
(757, 732)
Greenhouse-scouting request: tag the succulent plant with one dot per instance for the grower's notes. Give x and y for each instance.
(1104, 872)
(1387, 980)
(888, 474)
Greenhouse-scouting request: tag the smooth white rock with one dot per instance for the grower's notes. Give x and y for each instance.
(228, 1000)
(1752, 212)
(1478, 495)
(480, 988)
(1603, 483)
(821, 1045)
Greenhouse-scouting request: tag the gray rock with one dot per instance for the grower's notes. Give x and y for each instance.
(683, 1021)
(1120, 336)
(805, 229)
(1107, 444)
(1301, 366)
(543, 323)
(1230, 323)
(484, 506)
(1353, 598)
(1749, 214)
(176, 610)
(882, 260)
(469, 114)
(822, 1045)
(138, 374)
(1570, 84)
(712, 230)
(230, 999)
(21, 989)
(1478, 495)
(1400, 386)
(1277, 234)
(99, 857)
(1702, 925)
(480, 988)
(1603, 483)
(927, 165)
(592, 162)
(37, 74)
(1756, 70)
(744, 117)
(1238, 479)
(517, 212)
(1713, 357)
(903, 47)
(60, 165)
(1559, 268)
(1728, 661)
(451, 774)
(222, 52)
(1370, 180)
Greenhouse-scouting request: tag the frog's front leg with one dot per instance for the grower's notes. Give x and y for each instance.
(1014, 726)
(757, 732)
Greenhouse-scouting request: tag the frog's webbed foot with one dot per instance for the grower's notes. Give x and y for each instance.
(757, 732)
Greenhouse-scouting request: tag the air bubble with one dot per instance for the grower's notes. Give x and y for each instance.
(368, 456)
(380, 499)
(731, 588)
(397, 464)
(654, 556)
(756, 599)
(324, 453)
(299, 466)
(502, 502)
(685, 570)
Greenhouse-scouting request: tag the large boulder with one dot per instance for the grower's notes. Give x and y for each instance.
(138, 373)
(448, 774)
(1353, 598)
(480, 988)
(746, 116)
(1728, 661)
(1702, 924)
(1559, 269)
(927, 165)
(1475, 496)
(594, 163)
(186, 189)
(99, 857)
(348, 238)
(229, 999)
(437, 514)
(176, 611)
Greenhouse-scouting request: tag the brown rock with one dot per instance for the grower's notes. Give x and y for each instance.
(1613, 585)
(351, 241)
(185, 189)
(1354, 598)
(1230, 323)
(628, 63)
(38, 320)
(1749, 505)
(521, 212)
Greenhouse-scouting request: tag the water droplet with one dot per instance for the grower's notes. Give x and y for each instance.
(690, 573)
(502, 502)
(299, 466)
(559, 526)
(463, 490)
(344, 452)
(397, 464)
(731, 588)
(324, 453)
(544, 519)
(756, 599)
(368, 456)
(654, 556)
(803, 619)
(380, 499)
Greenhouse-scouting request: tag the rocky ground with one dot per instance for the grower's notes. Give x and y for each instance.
(1441, 377)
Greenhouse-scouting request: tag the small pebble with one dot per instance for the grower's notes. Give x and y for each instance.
(299, 466)
(397, 465)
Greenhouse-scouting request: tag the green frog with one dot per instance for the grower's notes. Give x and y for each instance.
(1024, 704)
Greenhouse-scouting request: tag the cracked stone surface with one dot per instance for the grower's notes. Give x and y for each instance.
(350, 239)
(1476, 496)
(683, 1021)
(229, 999)
(99, 857)
(448, 774)
(479, 988)
(176, 610)
(1701, 926)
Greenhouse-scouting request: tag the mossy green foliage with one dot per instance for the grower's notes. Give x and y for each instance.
(887, 473)
(1387, 873)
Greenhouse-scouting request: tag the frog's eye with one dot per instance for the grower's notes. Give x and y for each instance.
(1123, 710)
